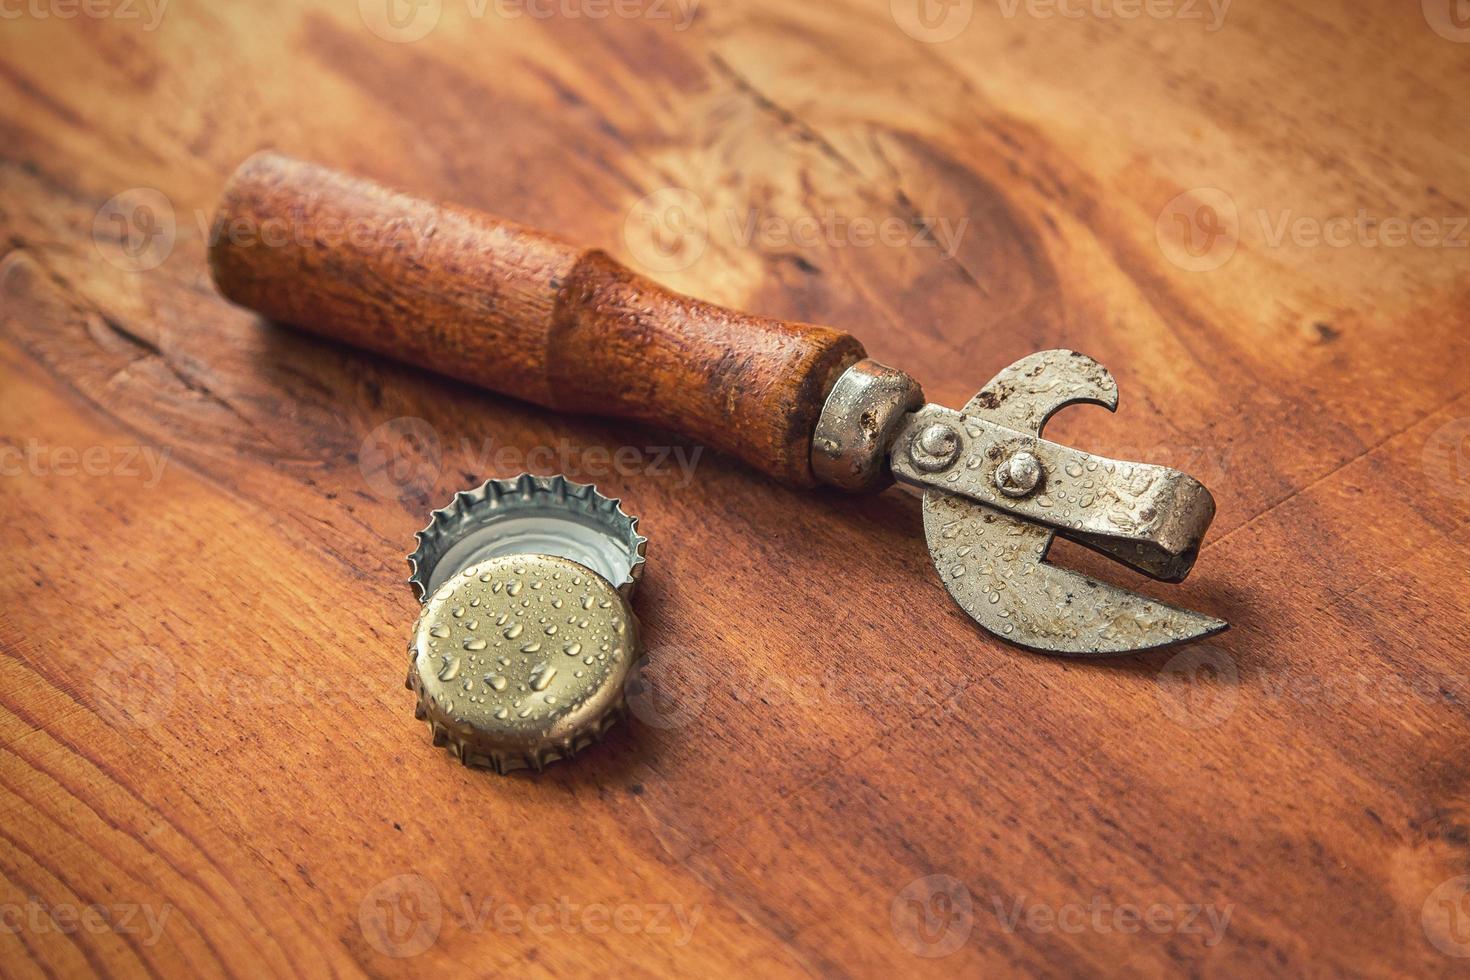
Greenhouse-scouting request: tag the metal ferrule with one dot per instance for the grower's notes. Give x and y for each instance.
(863, 413)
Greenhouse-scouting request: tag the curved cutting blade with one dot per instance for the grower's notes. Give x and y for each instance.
(994, 565)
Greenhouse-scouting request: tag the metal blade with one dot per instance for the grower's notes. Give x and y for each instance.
(994, 564)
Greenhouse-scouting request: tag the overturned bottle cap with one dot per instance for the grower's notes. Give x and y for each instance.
(526, 638)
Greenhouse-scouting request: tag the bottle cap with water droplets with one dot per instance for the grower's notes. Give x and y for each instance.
(526, 639)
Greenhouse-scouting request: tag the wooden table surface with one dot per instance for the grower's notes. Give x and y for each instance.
(1255, 215)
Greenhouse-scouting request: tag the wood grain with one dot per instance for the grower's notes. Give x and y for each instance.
(201, 710)
(519, 311)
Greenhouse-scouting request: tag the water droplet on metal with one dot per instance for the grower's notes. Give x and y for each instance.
(541, 676)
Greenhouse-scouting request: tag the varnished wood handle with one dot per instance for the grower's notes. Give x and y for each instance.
(519, 311)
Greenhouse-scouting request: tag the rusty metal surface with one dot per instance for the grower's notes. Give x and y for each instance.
(864, 410)
(996, 494)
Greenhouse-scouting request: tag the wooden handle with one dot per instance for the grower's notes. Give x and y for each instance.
(519, 311)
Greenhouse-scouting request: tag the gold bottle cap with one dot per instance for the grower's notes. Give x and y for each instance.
(524, 645)
(522, 660)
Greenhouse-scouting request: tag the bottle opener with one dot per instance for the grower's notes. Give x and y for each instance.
(529, 315)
